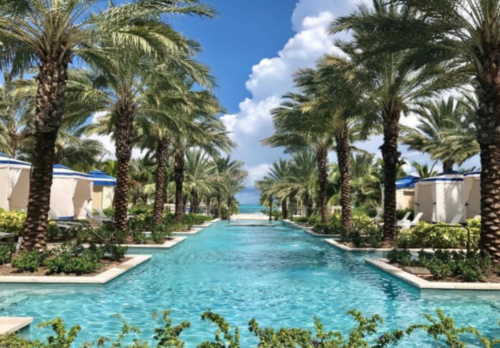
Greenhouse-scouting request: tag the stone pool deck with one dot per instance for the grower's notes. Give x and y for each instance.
(309, 230)
(170, 243)
(383, 265)
(190, 232)
(99, 279)
(13, 324)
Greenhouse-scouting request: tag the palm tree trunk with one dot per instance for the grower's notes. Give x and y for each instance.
(179, 181)
(284, 209)
(219, 206)
(448, 166)
(124, 114)
(194, 202)
(229, 208)
(161, 161)
(322, 158)
(344, 159)
(309, 206)
(270, 208)
(391, 157)
(50, 105)
(488, 123)
(209, 206)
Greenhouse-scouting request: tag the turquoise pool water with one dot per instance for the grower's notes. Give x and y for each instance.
(281, 276)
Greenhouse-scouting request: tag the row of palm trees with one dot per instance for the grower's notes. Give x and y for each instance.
(403, 55)
(125, 62)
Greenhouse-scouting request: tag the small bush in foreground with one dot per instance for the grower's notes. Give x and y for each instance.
(366, 333)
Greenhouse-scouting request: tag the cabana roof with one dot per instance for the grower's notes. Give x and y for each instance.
(445, 177)
(102, 179)
(407, 182)
(8, 161)
(63, 171)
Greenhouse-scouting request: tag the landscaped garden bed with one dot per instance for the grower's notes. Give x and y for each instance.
(74, 260)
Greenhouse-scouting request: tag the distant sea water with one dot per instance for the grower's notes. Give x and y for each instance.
(251, 209)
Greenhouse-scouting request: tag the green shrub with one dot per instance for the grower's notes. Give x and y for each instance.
(472, 267)
(114, 252)
(441, 237)
(5, 253)
(401, 257)
(12, 221)
(366, 332)
(140, 209)
(27, 261)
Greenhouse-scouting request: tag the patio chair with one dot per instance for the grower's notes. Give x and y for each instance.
(404, 219)
(377, 217)
(97, 219)
(64, 224)
(409, 224)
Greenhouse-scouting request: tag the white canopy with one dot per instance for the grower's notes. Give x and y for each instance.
(440, 198)
(14, 183)
(472, 195)
(71, 193)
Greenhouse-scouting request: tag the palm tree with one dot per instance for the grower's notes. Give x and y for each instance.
(438, 119)
(297, 131)
(424, 171)
(280, 175)
(226, 170)
(392, 82)
(51, 34)
(211, 136)
(267, 188)
(303, 183)
(199, 176)
(364, 181)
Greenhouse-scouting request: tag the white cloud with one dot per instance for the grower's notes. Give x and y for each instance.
(271, 78)
(256, 173)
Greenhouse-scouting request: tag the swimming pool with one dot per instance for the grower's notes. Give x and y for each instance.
(281, 276)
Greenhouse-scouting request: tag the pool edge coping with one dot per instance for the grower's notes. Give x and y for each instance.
(99, 279)
(9, 325)
(422, 284)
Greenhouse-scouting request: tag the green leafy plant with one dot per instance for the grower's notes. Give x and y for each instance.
(27, 261)
(366, 333)
(440, 236)
(401, 257)
(5, 254)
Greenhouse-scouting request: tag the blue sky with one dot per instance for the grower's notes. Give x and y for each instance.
(253, 47)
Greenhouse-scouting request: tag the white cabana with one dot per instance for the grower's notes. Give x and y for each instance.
(103, 191)
(14, 183)
(440, 198)
(71, 193)
(472, 195)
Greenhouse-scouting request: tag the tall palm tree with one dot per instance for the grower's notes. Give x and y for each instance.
(424, 171)
(392, 82)
(432, 135)
(212, 138)
(303, 184)
(226, 170)
(467, 32)
(364, 181)
(134, 94)
(199, 176)
(50, 35)
(280, 175)
(296, 130)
